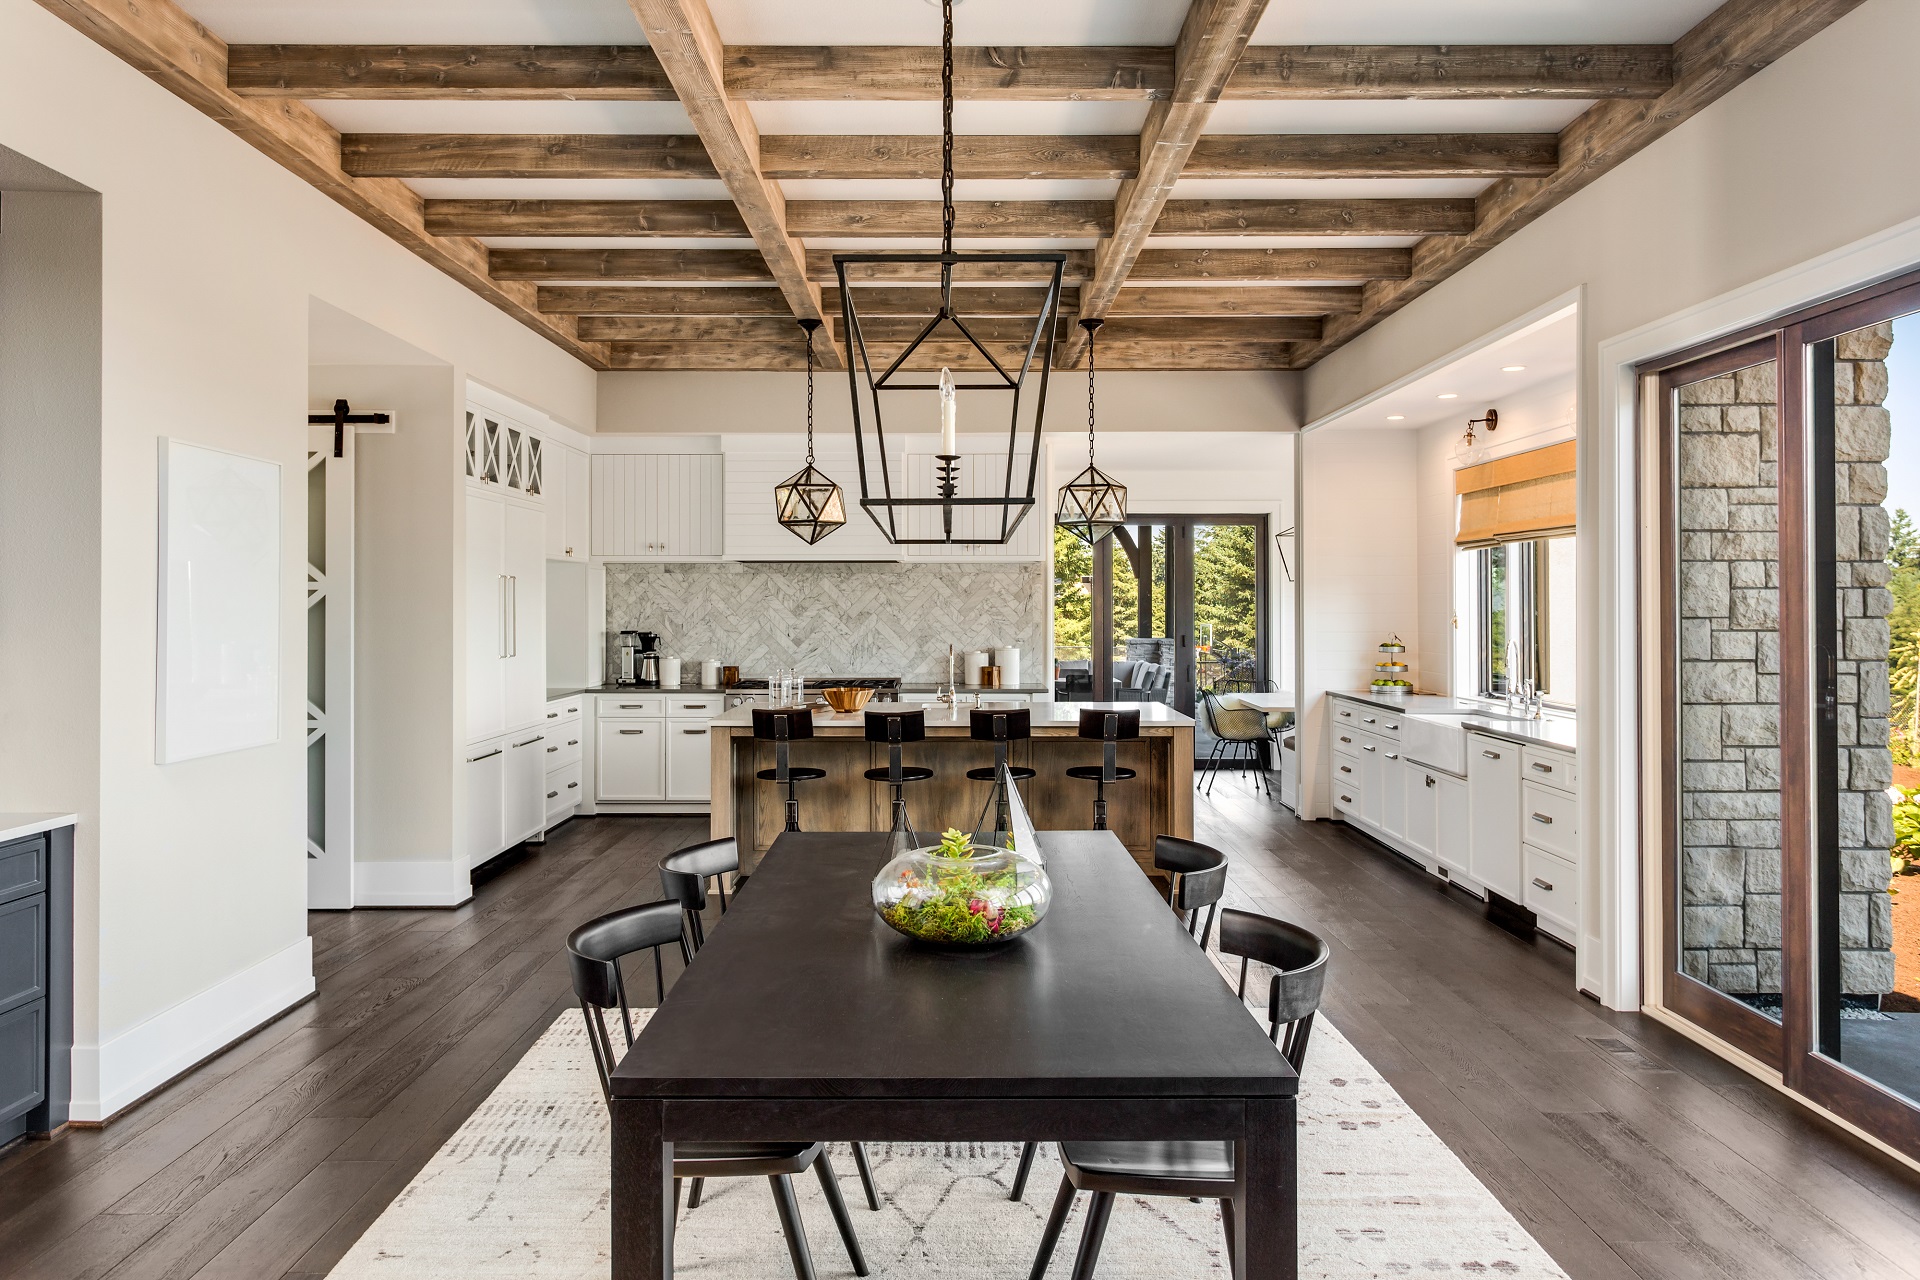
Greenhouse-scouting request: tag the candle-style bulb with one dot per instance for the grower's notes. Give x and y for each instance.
(949, 446)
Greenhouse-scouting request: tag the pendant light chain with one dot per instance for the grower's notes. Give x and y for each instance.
(809, 396)
(946, 127)
(1091, 331)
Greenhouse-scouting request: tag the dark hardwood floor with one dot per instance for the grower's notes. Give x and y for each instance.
(1628, 1151)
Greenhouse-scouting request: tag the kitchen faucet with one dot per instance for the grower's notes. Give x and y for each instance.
(1524, 689)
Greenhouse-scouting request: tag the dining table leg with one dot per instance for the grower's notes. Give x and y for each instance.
(1267, 1224)
(643, 1192)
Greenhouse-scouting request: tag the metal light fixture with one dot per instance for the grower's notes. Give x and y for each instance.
(808, 504)
(1093, 504)
(1000, 499)
(1469, 451)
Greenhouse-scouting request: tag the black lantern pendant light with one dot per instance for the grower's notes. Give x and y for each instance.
(999, 498)
(807, 504)
(1092, 504)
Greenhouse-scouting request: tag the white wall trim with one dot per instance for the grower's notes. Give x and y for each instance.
(1545, 313)
(411, 884)
(1610, 735)
(112, 1076)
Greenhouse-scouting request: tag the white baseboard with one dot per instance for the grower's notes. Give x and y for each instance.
(112, 1076)
(411, 884)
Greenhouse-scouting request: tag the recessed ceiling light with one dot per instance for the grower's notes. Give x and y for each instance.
(1396, 417)
(1513, 368)
(1449, 395)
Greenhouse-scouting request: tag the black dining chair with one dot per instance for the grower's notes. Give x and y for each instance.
(1199, 874)
(594, 952)
(684, 875)
(1198, 1169)
(782, 726)
(1199, 880)
(1109, 728)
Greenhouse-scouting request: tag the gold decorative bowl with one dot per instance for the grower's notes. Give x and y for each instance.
(845, 700)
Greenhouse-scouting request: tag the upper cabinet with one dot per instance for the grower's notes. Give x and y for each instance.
(981, 475)
(658, 505)
(504, 454)
(568, 502)
(753, 532)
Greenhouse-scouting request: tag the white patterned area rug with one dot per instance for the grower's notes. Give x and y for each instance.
(521, 1190)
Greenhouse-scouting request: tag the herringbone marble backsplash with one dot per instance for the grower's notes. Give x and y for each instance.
(833, 619)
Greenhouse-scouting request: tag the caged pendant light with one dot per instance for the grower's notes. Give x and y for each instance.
(1093, 504)
(1000, 498)
(808, 504)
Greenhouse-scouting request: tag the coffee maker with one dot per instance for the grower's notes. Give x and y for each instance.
(637, 659)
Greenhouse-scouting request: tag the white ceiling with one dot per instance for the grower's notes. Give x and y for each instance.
(1547, 352)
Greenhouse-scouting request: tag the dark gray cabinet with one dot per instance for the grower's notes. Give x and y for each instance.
(36, 982)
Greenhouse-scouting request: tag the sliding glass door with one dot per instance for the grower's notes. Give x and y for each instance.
(1788, 472)
(1166, 607)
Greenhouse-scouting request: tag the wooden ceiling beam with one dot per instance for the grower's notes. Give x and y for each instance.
(1373, 155)
(975, 300)
(525, 155)
(682, 35)
(1114, 356)
(988, 328)
(917, 155)
(166, 44)
(1212, 39)
(911, 73)
(718, 219)
(1726, 48)
(1079, 265)
(1415, 217)
(744, 266)
(662, 300)
(664, 266)
(1270, 265)
(1235, 300)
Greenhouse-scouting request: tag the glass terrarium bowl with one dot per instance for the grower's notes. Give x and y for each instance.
(985, 897)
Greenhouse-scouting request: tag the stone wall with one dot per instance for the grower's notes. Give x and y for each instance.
(1729, 579)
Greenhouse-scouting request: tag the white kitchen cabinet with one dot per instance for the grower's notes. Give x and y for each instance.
(486, 615)
(631, 759)
(1372, 780)
(523, 804)
(504, 454)
(1423, 814)
(485, 778)
(1552, 892)
(1395, 777)
(658, 505)
(1452, 838)
(563, 757)
(526, 666)
(563, 794)
(1549, 819)
(981, 474)
(1493, 811)
(689, 761)
(568, 500)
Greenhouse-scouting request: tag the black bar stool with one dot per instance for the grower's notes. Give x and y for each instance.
(1109, 727)
(780, 726)
(896, 726)
(1000, 726)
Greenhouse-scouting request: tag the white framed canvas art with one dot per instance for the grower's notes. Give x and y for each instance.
(218, 685)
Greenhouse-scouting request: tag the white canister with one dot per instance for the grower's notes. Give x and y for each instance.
(669, 673)
(710, 673)
(975, 661)
(1008, 660)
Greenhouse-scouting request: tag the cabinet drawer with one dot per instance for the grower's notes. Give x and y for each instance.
(1346, 773)
(1548, 768)
(1377, 720)
(23, 1059)
(562, 746)
(632, 706)
(630, 757)
(563, 791)
(1346, 798)
(23, 867)
(1549, 819)
(1552, 891)
(23, 950)
(566, 710)
(695, 706)
(1346, 742)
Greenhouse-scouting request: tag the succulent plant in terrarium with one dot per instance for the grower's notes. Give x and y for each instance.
(961, 894)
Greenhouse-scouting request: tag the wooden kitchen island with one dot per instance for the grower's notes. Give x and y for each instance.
(1158, 802)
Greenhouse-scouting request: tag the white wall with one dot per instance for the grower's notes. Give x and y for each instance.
(195, 889)
(1359, 517)
(751, 403)
(1799, 162)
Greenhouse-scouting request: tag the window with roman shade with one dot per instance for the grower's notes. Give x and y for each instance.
(1527, 495)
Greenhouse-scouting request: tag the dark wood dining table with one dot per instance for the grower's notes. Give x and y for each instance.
(807, 1019)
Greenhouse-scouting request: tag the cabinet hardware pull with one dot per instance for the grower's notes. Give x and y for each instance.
(633, 706)
(1393, 755)
(530, 741)
(1368, 746)
(1543, 768)
(553, 795)
(1541, 817)
(1345, 739)
(551, 750)
(1538, 883)
(1393, 726)
(1367, 720)
(573, 742)
(553, 715)
(572, 785)
(695, 732)
(1345, 769)
(488, 756)
(1491, 755)
(693, 706)
(632, 732)
(1429, 779)
(1346, 799)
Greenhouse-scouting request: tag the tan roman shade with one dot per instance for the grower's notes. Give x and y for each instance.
(1529, 495)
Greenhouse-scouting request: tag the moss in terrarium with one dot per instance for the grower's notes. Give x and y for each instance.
(961, 905)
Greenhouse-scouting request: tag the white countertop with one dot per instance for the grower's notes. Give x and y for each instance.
(1555, 729)
(940, 716)
(15, 825)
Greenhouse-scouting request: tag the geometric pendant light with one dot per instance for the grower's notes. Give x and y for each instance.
(807, 503)
(1093, 504)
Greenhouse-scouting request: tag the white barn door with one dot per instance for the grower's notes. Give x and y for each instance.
(329, 672)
